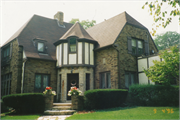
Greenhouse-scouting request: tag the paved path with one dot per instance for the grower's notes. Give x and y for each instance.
(53, 117)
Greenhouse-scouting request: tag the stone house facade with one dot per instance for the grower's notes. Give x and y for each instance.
(50, 52)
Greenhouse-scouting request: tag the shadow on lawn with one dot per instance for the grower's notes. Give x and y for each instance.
(116, 108)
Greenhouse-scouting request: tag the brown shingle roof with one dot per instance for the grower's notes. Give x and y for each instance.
(78, 31)
(107, 31)
(40, 27)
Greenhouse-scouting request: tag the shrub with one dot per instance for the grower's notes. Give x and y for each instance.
(4, 108)
(27, 103)
(154, 95)
(104, 98)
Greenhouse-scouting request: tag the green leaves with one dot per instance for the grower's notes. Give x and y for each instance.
(167, 71)
(160, 15)
(84, 23)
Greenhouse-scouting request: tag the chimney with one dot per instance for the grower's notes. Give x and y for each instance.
(59, 16)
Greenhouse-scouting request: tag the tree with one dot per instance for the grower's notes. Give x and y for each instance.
(165, 72)
(84, 23)
(164, 40)
(159, 15)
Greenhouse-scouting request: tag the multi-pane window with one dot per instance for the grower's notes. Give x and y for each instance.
(105, 80)
(40, 47)
(137, 47)
(41, 82)
(72, 44)
(6, 51)
(6, 84)
(129, 79)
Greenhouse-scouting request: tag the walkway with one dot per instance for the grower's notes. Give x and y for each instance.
(53, 117)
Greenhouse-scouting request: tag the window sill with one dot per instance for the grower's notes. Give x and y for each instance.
(43, 54)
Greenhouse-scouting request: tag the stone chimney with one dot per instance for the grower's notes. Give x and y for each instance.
(59, 16)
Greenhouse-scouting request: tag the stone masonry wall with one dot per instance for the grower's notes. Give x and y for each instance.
(106, 60)
(34, 66)
(127, 61)
(14, 67)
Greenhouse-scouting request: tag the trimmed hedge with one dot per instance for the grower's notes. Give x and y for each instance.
(104, 98)
(154, 95)
(4, 108)
(27, 103)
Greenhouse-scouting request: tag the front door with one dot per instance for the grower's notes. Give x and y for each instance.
(72, 80)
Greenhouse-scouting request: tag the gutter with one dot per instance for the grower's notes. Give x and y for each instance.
(115, 47)
(22, 81)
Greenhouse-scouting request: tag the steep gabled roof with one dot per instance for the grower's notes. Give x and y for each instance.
(78, 31)
(107, 31)
(44, 28)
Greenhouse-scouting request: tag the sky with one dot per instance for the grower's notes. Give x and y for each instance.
(14, 14)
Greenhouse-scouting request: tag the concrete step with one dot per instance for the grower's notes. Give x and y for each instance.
(59, 112)
(62, 104)
(62, 108)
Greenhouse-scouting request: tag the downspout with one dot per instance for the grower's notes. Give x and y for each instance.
(115, 47)
(22, 81)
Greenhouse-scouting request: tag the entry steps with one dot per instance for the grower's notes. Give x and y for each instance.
(60, 109)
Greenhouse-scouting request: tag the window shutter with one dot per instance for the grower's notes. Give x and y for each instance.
(146, 47)
(129, 45)
(10, 53)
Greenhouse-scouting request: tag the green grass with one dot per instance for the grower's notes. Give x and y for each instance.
(130, 113)
(20, 117)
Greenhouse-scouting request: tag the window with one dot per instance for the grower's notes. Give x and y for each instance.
(105, 79)
(40, 47)
(41, 82)
(136, 46)
(72, 44)
(129, 79)
(6, 52)
(6, 84)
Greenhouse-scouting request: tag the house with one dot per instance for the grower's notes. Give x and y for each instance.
(51, 52)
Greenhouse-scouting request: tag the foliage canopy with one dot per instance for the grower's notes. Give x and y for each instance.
(167, 71)
(164, 40)
(84, 23)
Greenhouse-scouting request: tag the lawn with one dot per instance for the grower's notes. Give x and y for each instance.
(131, 113)
(32, 117)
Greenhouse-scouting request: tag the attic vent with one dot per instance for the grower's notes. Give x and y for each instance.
(59, 16)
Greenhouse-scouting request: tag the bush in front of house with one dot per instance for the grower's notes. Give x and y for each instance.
(104, 98)
(4, 108)
(27, 103)
(153, 95)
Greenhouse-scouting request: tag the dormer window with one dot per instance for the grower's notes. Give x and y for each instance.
(40, 47)
(72, 44)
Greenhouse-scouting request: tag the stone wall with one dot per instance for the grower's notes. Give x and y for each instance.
(127, 61)
(14, 66)
(33, 66)
(106, 60)
(82, 80)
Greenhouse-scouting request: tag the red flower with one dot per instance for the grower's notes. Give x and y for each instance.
(48, 88)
